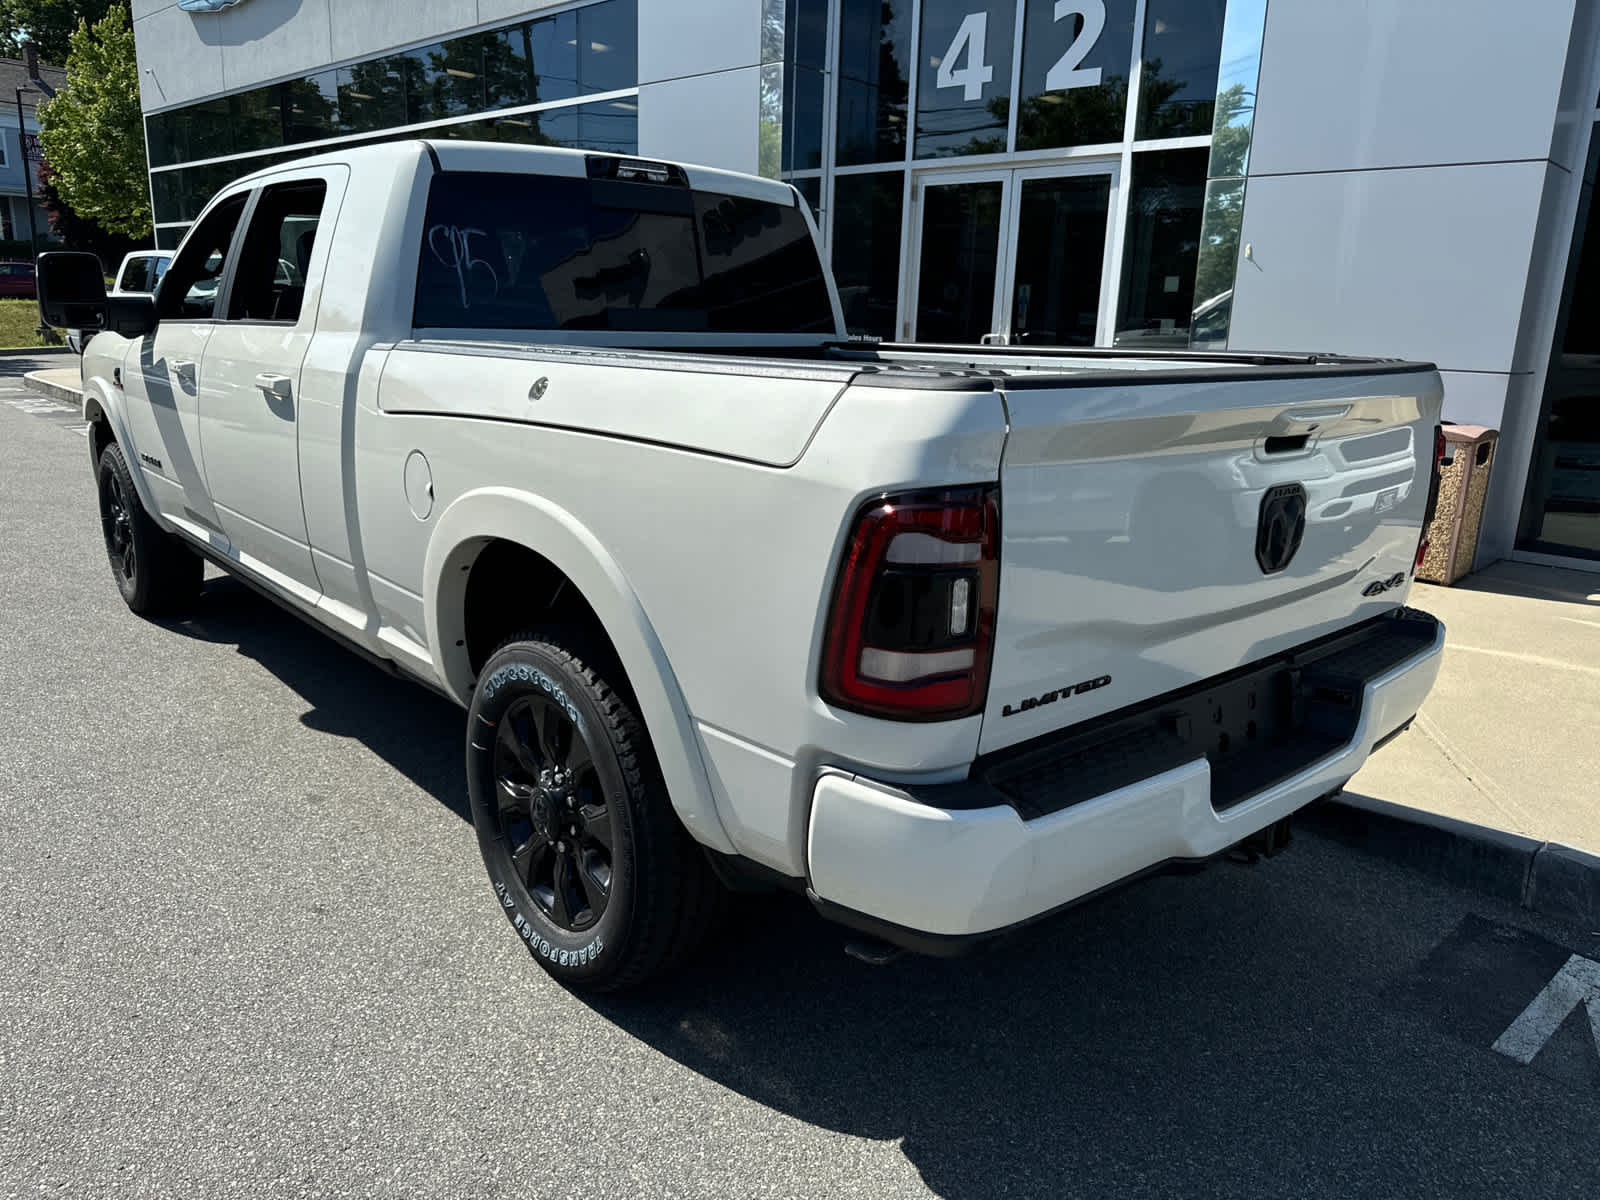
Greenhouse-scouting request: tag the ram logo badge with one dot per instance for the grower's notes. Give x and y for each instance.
(150, 460)
(1379, 586)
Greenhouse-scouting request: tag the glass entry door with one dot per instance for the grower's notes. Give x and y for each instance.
(959, 258)
(1012, 257)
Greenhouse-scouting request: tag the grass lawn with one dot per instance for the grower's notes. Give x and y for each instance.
(18, 320)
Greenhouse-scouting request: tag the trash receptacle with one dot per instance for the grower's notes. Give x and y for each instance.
(1463, 487)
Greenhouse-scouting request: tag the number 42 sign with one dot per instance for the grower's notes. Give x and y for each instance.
(965, 64)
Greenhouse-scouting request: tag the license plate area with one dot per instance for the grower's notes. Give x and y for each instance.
(1256, 726)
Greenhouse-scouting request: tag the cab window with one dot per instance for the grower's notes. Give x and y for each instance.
(270, 282)
(189, 292)
(136, 276)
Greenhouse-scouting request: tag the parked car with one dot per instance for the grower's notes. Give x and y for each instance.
(578, 440)
(139, 275)
(17, 281)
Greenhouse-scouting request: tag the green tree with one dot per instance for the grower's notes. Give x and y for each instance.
(49, 23)
(93, 131)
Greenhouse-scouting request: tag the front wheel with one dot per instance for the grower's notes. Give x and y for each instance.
(602, 884)
(154, 571)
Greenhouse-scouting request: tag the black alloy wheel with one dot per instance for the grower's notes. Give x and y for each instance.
(155, 572)
(116, 523)
(589, 863)
(553, 813)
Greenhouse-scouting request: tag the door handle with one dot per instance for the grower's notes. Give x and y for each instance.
(183, 367)
(274, 385)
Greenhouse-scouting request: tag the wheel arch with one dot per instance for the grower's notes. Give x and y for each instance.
(103, 411)
(493, 516)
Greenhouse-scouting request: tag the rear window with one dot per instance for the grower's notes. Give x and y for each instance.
(519, 251)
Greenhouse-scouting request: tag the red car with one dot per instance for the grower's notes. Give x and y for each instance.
(16, 281)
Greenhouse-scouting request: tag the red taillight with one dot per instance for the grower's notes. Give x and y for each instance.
(1439, 447)
(911, 630)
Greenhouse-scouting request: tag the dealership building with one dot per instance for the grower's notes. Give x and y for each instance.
(1372, 177)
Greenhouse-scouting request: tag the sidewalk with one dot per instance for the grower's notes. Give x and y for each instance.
(59, 383)
(1510, 737)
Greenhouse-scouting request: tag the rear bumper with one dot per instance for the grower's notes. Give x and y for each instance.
(897, 861)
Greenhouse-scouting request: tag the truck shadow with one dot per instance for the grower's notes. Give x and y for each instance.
(411, 728)
(1229, 1033)
(1531, 581)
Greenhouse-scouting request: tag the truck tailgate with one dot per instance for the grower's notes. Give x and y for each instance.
(1148, 530)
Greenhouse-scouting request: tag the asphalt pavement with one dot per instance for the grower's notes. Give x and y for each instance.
(248, 948)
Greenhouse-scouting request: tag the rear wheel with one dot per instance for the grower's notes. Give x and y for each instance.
(588, 861)
(155, 572)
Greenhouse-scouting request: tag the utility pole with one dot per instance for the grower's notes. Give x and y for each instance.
(27, 183)
(27, 174)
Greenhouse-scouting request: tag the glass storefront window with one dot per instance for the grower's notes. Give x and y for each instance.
(608, 125)
(1161, 247)
(455, 77)
(810, 190)
(874, 75)
(1178, 79)
(959, 260)
(802, 127)
(1075, 60)
(1237, 73)
(795, 32)
(1061, 237)
(964, 80)
(581, 52)
(866, 250)
(371, 96)
(1561, 512)
(508, 72)
(554, 44)
(608, 47)
(1214, 269)
(310, 108)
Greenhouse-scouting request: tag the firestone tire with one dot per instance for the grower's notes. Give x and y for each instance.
(587, 860)
(156, 573)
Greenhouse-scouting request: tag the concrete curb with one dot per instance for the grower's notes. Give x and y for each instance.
(1544, 877)
(33, 351)
(55, 391)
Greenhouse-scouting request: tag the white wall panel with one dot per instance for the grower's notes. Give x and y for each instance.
(261, 42)
(678, 39)
(705, 119)
(1370, 83)
(510, 10)
(367, 27)
(176, 64)
(1428, 263)
(1475, 397)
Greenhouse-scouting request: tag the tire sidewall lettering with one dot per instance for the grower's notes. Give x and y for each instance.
(522, 673)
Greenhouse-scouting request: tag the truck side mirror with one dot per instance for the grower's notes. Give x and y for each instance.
(72, 290)
(131, 316)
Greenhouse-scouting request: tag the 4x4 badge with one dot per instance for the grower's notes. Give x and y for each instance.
(1379, 586)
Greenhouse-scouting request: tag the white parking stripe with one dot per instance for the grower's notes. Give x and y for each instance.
(38, 405)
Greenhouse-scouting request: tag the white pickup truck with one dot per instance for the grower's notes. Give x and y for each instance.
(949, 637)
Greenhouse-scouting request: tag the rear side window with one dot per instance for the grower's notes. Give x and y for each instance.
(542, 252)
(270, 282)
